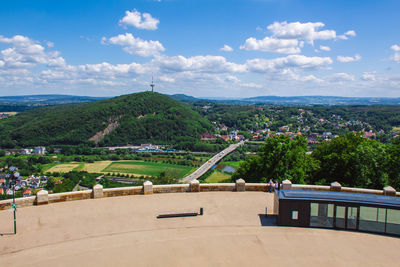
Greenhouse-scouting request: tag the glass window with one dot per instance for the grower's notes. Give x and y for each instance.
(393, 221)
(372, 219)
(321, 215)
(352, 218)
(295, 215)
(340, 216)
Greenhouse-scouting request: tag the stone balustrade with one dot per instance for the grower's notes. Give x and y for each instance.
(43, 197)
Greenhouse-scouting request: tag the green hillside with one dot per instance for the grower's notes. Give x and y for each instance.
(134, 119)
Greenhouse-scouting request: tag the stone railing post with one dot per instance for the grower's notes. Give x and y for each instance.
(389, 191)
(240, 185)
(97, 191)
(147, 188)
(286, 184)
(335, 186)
(194, 186)
(42, 197)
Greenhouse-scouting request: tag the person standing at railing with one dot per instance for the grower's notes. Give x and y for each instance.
(277, 185)
(271, 185)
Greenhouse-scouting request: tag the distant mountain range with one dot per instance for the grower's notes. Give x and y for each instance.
(274, 100)
(47, 99)
(296, 100)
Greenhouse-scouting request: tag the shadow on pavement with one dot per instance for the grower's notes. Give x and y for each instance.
(267, 220)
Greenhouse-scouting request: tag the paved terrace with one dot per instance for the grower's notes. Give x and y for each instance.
(211, 162)
(124, 231)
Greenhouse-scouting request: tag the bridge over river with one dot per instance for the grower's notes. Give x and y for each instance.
(211, 162)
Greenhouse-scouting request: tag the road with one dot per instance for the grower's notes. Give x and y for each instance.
(211, 162)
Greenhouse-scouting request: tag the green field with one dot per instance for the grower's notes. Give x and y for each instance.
(147, 168)
(137, 168)
(218, 177)
(232, 163)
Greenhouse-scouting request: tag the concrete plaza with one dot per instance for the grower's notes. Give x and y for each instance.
(124, 231)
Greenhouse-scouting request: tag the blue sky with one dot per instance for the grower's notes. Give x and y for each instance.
(201, 48)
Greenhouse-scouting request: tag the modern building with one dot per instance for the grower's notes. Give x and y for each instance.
(26, 151)
(339, 210)
(40, 150)
(148, 147)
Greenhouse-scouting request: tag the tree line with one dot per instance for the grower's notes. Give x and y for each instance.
(351, 160)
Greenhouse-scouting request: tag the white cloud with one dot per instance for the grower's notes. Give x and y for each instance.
(346, 35)
(135, 46)
(298, 62)
(396, 55)
(296, 30)
(204, 64)
(26, 53)
(350, 33)
(290, 75)
(141, 21)
(368, 76)
(343, 59)
(167, 79)
(50, 44)
(289, 38)
(251, 85)
(226, 48)
(395, 48)
(231, 78)
(269, 44)
(324, 48)
(341, 77)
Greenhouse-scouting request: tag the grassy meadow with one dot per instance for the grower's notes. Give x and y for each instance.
(137, 168)
(218, 177)
(147, 168)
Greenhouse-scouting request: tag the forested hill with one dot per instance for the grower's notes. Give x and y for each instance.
(131, 119)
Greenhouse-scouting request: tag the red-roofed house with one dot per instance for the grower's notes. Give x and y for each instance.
(369, 134)
(225, 137)
(27, 192)
(207, 136)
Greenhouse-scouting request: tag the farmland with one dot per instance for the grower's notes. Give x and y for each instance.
(136, 168)
(147, 168)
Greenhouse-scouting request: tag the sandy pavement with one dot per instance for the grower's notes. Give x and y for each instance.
(124, 231)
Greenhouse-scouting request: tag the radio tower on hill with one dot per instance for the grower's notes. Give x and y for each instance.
(152, 84)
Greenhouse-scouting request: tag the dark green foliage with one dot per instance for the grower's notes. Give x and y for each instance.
(70, 180)
(18, 194)
(107, 183)
(352, 160)
(393, 163)
(142, 117)
(27, 165)
(166, 177)
(278, 159)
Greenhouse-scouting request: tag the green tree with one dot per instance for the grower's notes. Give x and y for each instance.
(166, 177)
(278, 159)
(352, 160)
(393, 166)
